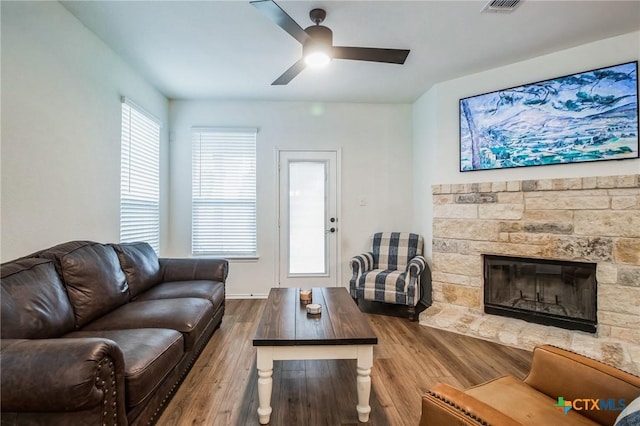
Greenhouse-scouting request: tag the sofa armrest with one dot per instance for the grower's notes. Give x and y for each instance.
(560, 373)
(445, 405)
(189, 269)
(61, 375)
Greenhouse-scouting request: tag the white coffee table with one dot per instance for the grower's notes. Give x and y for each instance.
(287, 332)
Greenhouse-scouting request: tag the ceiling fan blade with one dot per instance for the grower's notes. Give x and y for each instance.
(272, 11)
(290, 74)
(391, 56)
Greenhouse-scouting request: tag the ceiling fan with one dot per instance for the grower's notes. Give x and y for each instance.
(317, 42)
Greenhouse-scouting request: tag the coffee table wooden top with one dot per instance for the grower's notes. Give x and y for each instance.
(285, 321)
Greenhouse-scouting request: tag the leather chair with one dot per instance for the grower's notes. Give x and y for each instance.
(560, 389)
(391, 271)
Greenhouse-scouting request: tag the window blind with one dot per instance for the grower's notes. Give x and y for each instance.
(139, 176)
(224, 192)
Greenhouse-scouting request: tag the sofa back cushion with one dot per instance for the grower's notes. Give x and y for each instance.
(140, 265)
(56, 253)
(556, 372)
(92, 275)
(34, 302)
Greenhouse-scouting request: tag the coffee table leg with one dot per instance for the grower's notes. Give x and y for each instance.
(264, 363)
(365, 362)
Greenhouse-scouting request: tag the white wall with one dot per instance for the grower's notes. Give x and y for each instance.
(61, 89)
(376, 164)
(436, 121)
(425, 163)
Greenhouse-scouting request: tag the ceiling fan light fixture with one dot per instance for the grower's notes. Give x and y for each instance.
(317, 51)
(317, 42)
(317, 59)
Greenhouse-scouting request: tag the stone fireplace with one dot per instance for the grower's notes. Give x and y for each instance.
(591, 220)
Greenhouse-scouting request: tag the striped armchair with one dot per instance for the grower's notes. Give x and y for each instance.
(391, 271)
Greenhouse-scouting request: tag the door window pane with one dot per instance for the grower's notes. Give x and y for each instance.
(307, 211)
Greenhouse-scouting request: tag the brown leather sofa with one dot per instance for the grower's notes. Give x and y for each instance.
(96, 334)
(507, 401)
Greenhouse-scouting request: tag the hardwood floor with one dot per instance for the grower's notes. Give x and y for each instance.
(221, 388)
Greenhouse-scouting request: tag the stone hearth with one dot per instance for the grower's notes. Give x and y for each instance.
(591, 219)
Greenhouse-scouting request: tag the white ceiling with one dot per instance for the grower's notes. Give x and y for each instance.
(228, 50)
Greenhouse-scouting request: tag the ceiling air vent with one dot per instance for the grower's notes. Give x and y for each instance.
(501, 6)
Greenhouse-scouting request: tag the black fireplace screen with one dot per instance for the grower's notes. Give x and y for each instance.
(558, 293)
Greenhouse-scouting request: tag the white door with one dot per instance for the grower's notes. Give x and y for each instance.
(308, 222)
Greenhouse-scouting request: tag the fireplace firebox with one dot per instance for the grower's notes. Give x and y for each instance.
(549, 292)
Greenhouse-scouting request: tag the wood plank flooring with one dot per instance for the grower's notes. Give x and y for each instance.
(221, 388)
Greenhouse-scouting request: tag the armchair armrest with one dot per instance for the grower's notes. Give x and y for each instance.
(416, 266)
(189, 269)
(557, 372)
(362, 263)
(444, 405)
(62, 375)
(359, 265)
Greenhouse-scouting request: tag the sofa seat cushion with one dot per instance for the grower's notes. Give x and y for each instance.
(140, 265)
(150, 354)
(189, 316)
(34, 302)
(213, 291)
(506, 394)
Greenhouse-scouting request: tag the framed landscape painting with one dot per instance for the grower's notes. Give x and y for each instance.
(588, 116)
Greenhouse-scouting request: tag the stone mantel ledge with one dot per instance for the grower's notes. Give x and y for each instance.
(524, 335)
(560, 184)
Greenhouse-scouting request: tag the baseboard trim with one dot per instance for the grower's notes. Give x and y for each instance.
(246, 296)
